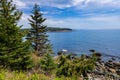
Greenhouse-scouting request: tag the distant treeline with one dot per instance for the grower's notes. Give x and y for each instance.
(54, 29)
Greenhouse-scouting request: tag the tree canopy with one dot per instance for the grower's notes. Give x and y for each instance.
(14, 53)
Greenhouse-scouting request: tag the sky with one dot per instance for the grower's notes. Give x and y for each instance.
(75, 14)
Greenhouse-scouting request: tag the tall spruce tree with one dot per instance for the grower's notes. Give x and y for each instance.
(14, 53)
(37, 33)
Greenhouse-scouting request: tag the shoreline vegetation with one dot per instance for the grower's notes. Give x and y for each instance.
(32, 59)
(93, 66)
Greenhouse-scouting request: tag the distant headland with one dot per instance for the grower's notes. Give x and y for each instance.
(58, 29)
(55, 29)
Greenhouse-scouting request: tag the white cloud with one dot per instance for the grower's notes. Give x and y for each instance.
(44, 12)
(62, 6)
(105, 1)
(24, 21)
(54, 22)
(105, 18)
(20, 4)
(93, 22)
(98, 22)
(96, 4)
(50, 3)
(77, 2)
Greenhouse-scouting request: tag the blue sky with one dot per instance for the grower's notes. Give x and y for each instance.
(75, 14)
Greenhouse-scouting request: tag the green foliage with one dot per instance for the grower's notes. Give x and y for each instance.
(15, 75)
(70, 66)
(47, 63)
(2, 76)
(35, 77)
(83, 64)
(18, 76)
(65, 78)
(37, 33)
(14, 53)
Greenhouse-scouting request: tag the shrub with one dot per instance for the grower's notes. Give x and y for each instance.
(74, 67)
(47, 63)
(2, 75)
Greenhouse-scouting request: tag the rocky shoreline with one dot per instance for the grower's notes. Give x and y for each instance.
(105, 70)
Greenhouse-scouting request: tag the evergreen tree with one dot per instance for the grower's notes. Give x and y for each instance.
(37, 33)
(14, 53)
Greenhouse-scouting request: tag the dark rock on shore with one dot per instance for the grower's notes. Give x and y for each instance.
(92, 50)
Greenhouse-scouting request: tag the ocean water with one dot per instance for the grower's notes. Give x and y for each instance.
(81, 41)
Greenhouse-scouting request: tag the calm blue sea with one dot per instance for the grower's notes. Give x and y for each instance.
(81, 41)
